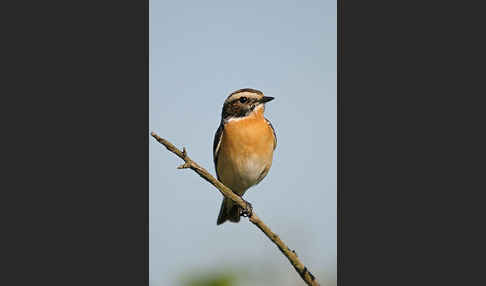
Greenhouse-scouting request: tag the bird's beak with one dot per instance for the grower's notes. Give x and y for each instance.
(266, 99)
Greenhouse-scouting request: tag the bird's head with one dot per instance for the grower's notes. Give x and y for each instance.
(244, 102)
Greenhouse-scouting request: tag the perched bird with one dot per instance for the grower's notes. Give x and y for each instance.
(243, 147)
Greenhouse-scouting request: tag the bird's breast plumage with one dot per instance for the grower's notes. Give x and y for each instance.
(246, 152)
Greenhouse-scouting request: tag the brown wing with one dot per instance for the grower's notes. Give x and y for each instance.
(216, 143)
(274, 134)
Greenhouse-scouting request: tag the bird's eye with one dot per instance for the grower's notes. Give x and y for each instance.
(243, 99)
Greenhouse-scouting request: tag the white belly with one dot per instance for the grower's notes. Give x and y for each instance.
(241, 173)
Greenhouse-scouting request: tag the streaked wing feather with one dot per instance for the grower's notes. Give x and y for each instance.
(217, 142)
(274, 134)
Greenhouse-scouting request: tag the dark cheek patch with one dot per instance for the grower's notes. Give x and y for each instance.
(236, 109)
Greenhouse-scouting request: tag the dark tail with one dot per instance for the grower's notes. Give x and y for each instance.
(228, 211)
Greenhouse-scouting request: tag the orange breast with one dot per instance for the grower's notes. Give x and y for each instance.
(246, 152)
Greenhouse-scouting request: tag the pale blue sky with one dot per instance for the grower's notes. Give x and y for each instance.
(200, 51)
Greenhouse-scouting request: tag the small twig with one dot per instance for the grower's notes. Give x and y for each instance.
(225, 191)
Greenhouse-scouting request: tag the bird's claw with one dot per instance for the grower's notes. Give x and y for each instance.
(247, 211)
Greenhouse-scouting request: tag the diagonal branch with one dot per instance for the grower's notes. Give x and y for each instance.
(304, 273)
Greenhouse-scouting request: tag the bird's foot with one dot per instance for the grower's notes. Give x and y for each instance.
(247, 211)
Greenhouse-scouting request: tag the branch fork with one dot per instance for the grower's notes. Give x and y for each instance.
(188, 161)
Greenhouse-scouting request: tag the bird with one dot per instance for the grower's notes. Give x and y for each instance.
(243, 148)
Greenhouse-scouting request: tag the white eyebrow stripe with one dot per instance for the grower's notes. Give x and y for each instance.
(245, 93)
